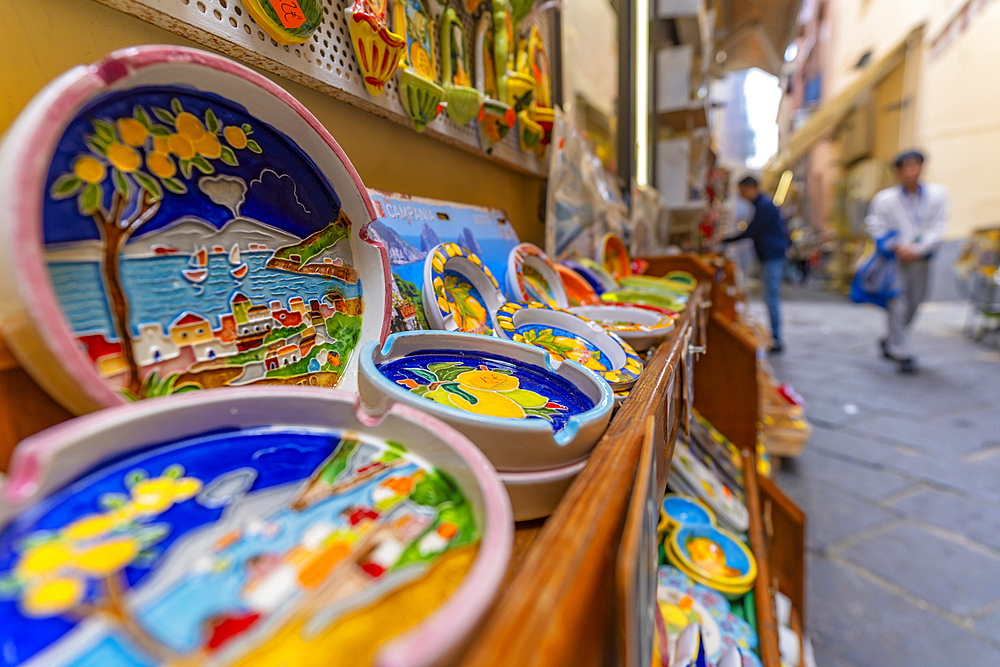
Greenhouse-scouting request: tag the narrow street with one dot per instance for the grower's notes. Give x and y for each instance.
(901, 485)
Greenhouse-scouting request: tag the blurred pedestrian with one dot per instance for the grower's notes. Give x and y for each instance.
(918, 213)
(770, 242)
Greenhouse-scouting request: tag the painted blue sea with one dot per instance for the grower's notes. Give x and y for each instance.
(159, 293)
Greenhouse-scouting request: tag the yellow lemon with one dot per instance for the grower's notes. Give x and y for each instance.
(107, 557)
(489, 403)
(189, 126)
(89, 169)
(43, 559)
(526, 398)
(208, 146)
(132, 131)
(125, 158)
(236, 137)
(52, 597)
(160, 145)
(180, 146)
(161, 165)
(185, 488)
(421, 62)
(90, 526)
(489, 380)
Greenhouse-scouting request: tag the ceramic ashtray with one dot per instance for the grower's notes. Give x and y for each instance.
(595, 272)
(536, 493)
(523, 408)
(248, 526)
(569, 336)
(646, 297)
(613, 256)
(531, 276)
(681, 289)
(714, 557)
(171, 220)
(680, 510)
(459, 292)
(579, 292)
(640, 328)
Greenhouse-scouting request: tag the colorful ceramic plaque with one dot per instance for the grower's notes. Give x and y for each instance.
(242, 545)
(185, 239)
(531, 276)
(410, 227)
(418, 87)
(496, 117)
(460, 293)
(377, 48)
(461, 99)
(567, 336)
(286, 21)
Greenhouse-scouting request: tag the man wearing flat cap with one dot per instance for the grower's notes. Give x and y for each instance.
(918, 214)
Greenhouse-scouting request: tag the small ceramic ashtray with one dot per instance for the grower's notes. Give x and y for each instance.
(579, 290)
(652, 284)
(713, 555)
(459, 292)
(223, 525)
(569, 336)
(613, 256)
(640, 328)
(531, 276)
(646, 297)
(679, 510)
(536, 493)
(523, 408)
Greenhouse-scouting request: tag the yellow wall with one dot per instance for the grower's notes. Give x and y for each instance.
(41, 39)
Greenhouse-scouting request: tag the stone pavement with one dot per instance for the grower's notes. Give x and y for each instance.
(901, 486)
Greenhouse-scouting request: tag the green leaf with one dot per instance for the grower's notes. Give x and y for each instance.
(420, 390)
(211, 122)
(164, 115)
(110, 501)
(247, 130)
(135, 476)
(178, 188)
(9, 587)
(91, 198)
(122, 184)
(149, 184)
(105, 131)
(448, 370)
(186, 168)
(175, 104)
(152, 533)
(228, 156)
(140, 115)
(252, 145)
(203, 165)
(37, 539)
(66, 186)
(96, 145)
(426, 375)
(159, 131)
(455, 388)
(175, 471)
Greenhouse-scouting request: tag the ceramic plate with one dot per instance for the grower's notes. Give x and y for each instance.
(728, 509)
(568, 336)
(460, 293)
(613, 256)
(524, 409)
(714, 554)
(640, 328)
(679, 510)
(579, 292)
(171, 220)
(252, 526)
(531, 276)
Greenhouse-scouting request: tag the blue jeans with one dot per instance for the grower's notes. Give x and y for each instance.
(772, 271)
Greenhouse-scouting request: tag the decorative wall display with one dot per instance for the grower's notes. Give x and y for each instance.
(531, 276)
(410, 227)
(460, 293)
(496, 117)
(376, 47)
(418, 87)
(538, 119)
(170, 238)
(462, 100)
(262, 528)
(286, 21)
(513, 87)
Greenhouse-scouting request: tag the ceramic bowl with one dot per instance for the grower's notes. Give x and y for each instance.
(613, 256)
(531, 276)
(640, 328)
(579, 290)
(679, 510)
(644, 297)
(714, 554)
(536, 493)
(230, 517)
(524, 409)
(656, 309)
(656, 285)
(459, 292)
(245, 262)
(569, 336)
(703, 484)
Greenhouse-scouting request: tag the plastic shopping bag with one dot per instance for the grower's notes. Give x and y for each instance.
(875, 280)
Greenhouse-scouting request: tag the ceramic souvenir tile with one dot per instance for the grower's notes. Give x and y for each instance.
(531, 276)
(462, 101)
(170, 237)
(567, 336)
(264, 526)
(418, 81)
(410, 227)
(459, 292)
(286, 21)
(496, 117)
(377, 48)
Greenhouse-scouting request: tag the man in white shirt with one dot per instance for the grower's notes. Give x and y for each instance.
(918, 214)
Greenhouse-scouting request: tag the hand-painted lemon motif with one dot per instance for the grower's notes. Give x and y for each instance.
(208, 146)
(235, 137)
(189, 126)
(488, 403)
(161, 165)
(89, 527)
(157, 494)
(107, 557)
(124, 158)
(89, 169)
(181, 146)
(51, 596)
(132, 131)
(44, 559)
(489, 380)
(710, 557)
(160, 146)
(421, 61)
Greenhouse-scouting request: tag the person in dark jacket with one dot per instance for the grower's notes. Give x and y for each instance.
(771, 242)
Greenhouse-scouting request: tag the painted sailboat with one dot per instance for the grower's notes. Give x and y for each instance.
(239, 267)
(199, 263)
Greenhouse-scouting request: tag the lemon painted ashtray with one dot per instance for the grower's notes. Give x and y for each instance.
(521, 407)
(251, 526)
(459, 293)
(569, 336)
(639, 327)
(713, 557)
(613, 256)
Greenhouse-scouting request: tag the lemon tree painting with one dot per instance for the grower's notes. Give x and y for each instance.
(258, 547)
(192, 246)
(563, 344)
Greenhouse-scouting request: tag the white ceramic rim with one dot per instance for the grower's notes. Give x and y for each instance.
(532, 255)
(476, 274)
